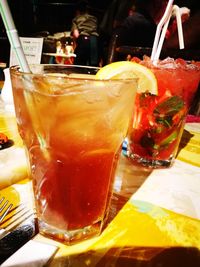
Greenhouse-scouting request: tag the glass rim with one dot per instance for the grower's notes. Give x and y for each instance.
(17, 70)
(171, 64)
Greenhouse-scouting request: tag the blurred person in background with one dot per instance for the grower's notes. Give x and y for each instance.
(114, 16)
(139, 28)
(115, 13)
(191, 26)
(85, 34)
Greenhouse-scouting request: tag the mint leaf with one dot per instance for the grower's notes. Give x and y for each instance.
(169, 139)
(166, 110)
(169, 107)
(166, 121)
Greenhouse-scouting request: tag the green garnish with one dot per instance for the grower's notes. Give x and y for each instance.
(169, 139)
(166, 121)
(148, 142)
(165, 111)
(169, 107)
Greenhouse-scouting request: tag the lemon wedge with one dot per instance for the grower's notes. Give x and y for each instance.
(127, 69)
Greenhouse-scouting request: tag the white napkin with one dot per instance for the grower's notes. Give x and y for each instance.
(176, 189)
(32, 254)
(6, 92)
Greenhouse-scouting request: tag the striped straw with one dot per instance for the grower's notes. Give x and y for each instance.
(13, 35)
(17, 47)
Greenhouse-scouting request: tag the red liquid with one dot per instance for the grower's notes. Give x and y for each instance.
(159, 120)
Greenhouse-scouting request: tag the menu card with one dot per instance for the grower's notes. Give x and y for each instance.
(32, 48)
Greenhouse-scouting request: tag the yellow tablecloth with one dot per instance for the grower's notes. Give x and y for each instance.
(146, 230)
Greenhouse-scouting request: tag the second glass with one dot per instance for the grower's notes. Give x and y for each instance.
(158, 120)
(72, 126)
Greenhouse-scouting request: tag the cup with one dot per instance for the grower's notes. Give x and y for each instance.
(158, 120)
(72, 126)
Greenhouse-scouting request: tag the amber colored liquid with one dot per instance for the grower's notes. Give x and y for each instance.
(76, 187)
(73, 142)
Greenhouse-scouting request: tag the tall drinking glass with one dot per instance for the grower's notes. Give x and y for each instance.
(72, 126)
(159, 120)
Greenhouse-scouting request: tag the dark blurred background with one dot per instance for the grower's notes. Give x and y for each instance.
(34, 16)
(47, 16)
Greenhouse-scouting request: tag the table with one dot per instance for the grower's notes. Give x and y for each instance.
(154, 218)
(61, 58)
(59, 55)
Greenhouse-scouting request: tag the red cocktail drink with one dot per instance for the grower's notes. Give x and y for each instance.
(72, 126)
(158, 120)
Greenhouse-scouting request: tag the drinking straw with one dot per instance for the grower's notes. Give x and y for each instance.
(159, 27)
(162, 37)
(13, 35)
(17, 47)
(163, 24)
(177, 12)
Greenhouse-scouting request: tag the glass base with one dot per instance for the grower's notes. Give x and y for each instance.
(151, 163)
(72, 236)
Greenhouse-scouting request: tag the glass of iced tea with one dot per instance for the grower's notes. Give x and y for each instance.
(72, 126)
(158, 120)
